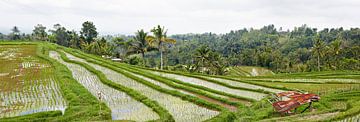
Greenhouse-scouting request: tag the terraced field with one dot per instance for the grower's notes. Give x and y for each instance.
(195, 81)
(27, 83)
(249, 71)
(181, 110)
(123, 107)
(98, 89)
(351, 119)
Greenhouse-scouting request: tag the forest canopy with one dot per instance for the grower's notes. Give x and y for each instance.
(302, 49)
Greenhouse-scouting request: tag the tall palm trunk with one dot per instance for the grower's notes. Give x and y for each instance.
(318, 61)
(143, 57)
(161, 55)
(161, 60)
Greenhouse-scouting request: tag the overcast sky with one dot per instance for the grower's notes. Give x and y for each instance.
(179, 16)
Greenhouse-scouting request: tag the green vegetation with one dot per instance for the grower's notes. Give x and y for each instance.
(338, 96)
(163, 113)
(81, 105)
(249, 71)
(168, 74)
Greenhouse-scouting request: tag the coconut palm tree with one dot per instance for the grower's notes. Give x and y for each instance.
(318, 47)
(335, 47)
(139, 44)
(202, 56)
(158, 39)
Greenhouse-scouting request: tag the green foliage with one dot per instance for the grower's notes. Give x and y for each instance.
(15, 34)
(98, 47)
(134, 60)
(60, 35)
(159, 38)
(88, 31)
(39, 33)
(281, 51)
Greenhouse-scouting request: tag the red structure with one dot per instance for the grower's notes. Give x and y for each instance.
(284, 102)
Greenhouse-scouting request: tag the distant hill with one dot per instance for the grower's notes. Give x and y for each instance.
(249, 71)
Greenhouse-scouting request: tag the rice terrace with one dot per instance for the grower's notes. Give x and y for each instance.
(210, 63)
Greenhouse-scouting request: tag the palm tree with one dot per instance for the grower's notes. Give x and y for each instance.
(205, 57)
(202, 56)
(139, 44)
(335, 50)
(318, 47)
(159, 38)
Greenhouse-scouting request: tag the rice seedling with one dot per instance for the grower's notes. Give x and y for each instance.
(26, 87)
(246, 85)
(123, 107)
(180, 109)
(351, 119)
(195, 81)
(308, 80)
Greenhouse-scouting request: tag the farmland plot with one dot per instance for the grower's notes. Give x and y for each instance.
(196, 81)
(26, 83)
(314, 88)
(306, 80)
(181, 110)
(122, 106)
(192, 94)
(352, 119)
(245, 85)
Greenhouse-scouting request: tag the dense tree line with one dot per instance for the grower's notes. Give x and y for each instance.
(302, 49)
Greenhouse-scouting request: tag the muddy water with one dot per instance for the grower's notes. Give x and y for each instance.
(122, 106)
(26, 90)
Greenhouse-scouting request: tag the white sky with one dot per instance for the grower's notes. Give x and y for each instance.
(179, 16)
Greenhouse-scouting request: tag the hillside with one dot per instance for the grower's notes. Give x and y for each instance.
(121, 91)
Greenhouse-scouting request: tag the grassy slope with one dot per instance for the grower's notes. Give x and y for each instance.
(262, 110)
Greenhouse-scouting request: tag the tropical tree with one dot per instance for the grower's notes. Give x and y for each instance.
(139, 44)
(2, 36)
(159, 38)
(318, 47)
(202, 56)
(209, 61)
(60, 35)
(15, 35)
(88, 31)
(335, 48)
(121, 46)
(74, 39)
(39, 32)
